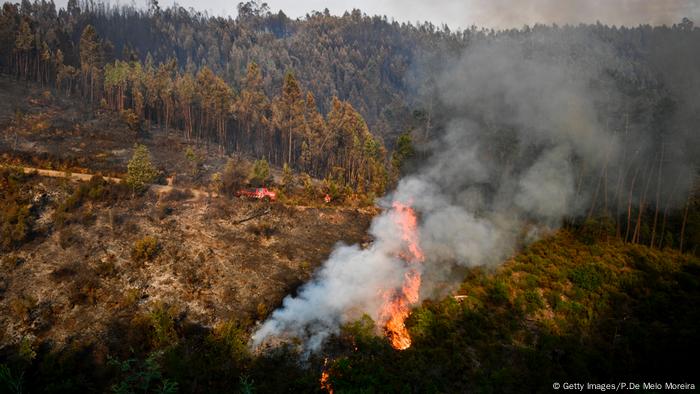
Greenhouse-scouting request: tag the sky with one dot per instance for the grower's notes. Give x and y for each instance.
(482, 13)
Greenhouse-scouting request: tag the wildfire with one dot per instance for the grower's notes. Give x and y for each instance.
(397, 302)
(325, 384)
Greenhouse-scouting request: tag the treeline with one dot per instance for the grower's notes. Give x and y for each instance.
(367, 61)
(286, 128)
(331, 95)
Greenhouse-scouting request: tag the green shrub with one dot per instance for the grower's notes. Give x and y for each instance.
(288, 180)
(260, 175)
(597, 228)
(130, 298)
(588, 277)
(193, 160)
(533, 301)
(309, 189)
(138, 376)
(497, 292)
(140, 169)
(553, 299)
(26, 350)
(132, 120)
(67, 212)
(145, 249)
(234, 339)
(234, 176)
(13, 383)
(334, 189)
(162, 320)
(16, 223)
(106, 267)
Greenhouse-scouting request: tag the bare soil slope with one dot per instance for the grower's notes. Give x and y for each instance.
(77, 280)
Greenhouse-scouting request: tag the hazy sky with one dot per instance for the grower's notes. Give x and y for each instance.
(490, 13)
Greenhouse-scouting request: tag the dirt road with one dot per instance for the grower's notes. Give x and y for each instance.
(159, 189)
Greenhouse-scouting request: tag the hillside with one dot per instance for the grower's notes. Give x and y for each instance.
(344, 204)
(599, 310)
(567, 308)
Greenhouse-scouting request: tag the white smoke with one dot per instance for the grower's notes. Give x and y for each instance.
(526, 122)
(348, 284)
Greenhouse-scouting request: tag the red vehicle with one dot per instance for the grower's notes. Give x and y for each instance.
(260, 193)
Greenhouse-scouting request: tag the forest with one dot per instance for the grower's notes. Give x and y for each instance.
(325, 95)
(554, 170)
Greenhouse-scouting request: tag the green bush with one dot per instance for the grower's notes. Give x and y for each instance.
(588, 277)
(497, 292)
(138, 376)
(97, 189)
(162, 320)
(145, 249)
(9, 381)
(131, 119)
(16, 224)
(140, 170)
(533, 301)
(234, 338)
(234, 176)
(594, 229)
(335, 189)
(260, 175)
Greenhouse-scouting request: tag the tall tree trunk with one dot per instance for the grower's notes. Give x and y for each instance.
(666, 210)
(642, 202)
(289, 158)
(629, 206)
(658, 197)
(685, 220)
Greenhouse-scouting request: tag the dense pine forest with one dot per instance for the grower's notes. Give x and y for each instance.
(574, 148)
(325, 95)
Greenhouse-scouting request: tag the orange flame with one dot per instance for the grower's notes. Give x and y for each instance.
(397, 303)
(325, 384)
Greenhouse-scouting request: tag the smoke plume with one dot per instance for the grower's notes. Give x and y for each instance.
(517, 13)
(534, 134)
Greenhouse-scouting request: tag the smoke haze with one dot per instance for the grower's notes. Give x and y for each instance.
(487, 13)
(535, 133)
(515, 14)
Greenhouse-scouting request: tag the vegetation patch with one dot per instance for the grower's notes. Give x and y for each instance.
(145, 249)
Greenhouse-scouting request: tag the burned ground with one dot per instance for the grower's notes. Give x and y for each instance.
(72, 279)
(45, 129)
(90, 269)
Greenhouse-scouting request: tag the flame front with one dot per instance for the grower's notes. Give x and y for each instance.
(397, 302)
(325, 376)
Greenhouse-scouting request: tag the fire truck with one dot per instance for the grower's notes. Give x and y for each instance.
(259, 193)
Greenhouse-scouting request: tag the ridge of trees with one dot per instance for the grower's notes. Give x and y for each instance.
(345, 98)
(284, 128)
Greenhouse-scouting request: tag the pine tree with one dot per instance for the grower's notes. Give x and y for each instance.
(23, 47)
(186, 96)
(314, 131)
(90, 60)
(251, 109)
(287, 178)
(260, 173)
(289, 113)
(140, 170)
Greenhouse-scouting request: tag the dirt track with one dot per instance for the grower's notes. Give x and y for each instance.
(159, 189)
